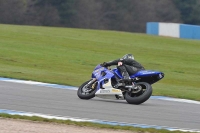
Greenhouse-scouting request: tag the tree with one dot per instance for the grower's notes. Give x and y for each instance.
(12, 11)
(122, 15)
(132, 15)
(190, 10)
(89, 14)
(65, 9)
(46, 14)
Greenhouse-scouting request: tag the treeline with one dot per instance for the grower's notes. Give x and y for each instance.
(122, 15)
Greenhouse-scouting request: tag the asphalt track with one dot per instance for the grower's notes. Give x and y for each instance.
(64, 102)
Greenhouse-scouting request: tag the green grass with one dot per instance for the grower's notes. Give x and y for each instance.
(88, 124)
(68, 56)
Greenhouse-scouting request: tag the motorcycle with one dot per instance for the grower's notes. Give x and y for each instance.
(103, 84)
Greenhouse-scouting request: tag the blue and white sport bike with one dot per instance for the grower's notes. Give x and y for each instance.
(103, 84)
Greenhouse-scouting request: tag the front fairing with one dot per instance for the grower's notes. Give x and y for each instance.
(101, 72)
(102, 75)
(117, 72)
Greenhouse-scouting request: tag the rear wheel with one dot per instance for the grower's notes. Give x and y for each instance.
(87, 91)
(140, 94)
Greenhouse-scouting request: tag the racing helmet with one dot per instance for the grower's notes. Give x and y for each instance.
(128, 56)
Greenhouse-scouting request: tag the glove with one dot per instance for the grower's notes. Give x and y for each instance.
(104, 64)
(120, 63)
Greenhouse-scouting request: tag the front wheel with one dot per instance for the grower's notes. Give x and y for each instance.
(87, 91)
(141, 95)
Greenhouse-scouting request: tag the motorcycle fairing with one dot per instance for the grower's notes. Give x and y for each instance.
(102, 75)
(109, 92)
(149, 76)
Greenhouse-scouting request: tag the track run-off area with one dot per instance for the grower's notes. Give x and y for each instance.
(46, 100)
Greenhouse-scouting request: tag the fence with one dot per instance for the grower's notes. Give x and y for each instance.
(173, 30)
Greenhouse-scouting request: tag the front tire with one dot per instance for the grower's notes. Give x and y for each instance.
(141, 96)
(85, 92)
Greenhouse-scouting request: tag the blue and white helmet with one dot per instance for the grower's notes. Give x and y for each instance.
(128, 56)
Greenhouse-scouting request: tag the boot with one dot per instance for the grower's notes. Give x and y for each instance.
(101, 86)
(125, 76)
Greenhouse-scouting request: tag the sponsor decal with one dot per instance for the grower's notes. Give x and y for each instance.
(160, 76)
(146, 72)
(116, 90)
(104, 91)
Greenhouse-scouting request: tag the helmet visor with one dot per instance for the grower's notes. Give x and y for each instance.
(128, 56)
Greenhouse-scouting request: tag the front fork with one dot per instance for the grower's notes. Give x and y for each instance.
(99, 84)
(91, 82)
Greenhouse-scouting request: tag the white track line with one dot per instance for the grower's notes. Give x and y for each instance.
(114, 123)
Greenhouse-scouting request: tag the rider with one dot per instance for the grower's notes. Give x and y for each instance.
(126, 65)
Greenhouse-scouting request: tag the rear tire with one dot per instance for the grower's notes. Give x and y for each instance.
(141, 96)
(83, 95)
